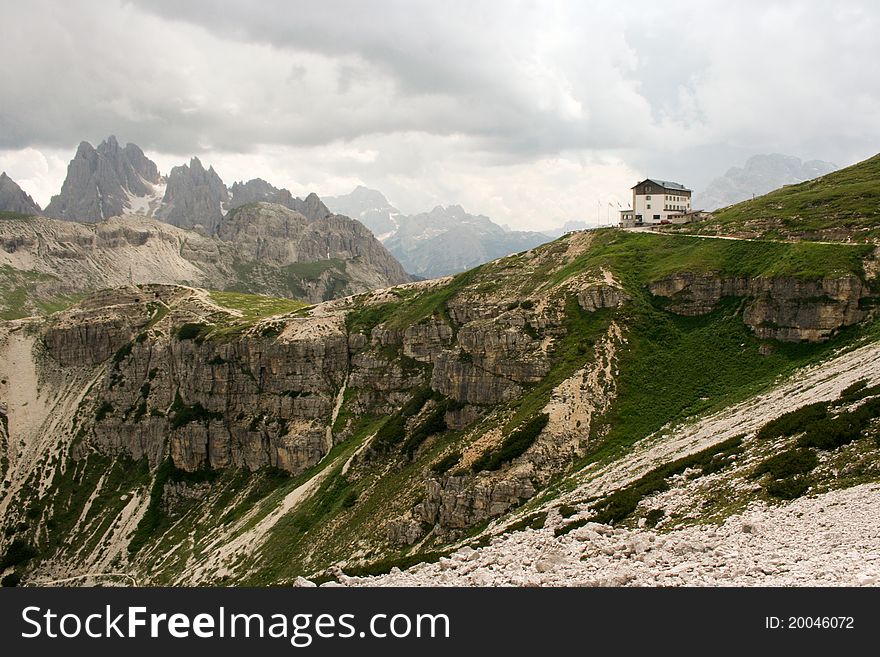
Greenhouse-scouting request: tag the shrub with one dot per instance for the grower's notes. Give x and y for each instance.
(653, 517)
(786, 464)
(105, 408)
(392, 432)
(434, 423)
(181, 414)
(18, 552)
(350, 499)
(122, 353)
(446, 463)
(562, 530)
(831, 433)
(190, 331)
(417, 402)
(528, 304)
(853, 391)
(154, 515)
(622, 502)
(531, 521)
(567, 510)
(788, 489)
(514, 445)
(11, 580)
(794, 422)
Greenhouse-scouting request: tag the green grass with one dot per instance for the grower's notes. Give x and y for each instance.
(28, 293)
(846, 201)
(6, 215)
(291, 280)
(255, 306)
(641, 258)
(674, 368)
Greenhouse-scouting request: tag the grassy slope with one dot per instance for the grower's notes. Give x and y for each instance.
(256, 306)
(843, 203)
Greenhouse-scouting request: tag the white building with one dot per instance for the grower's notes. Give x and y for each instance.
(657, 202)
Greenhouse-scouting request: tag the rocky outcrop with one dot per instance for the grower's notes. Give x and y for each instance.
(494, 358)
(195, 196)
(786, 309)
(101, 182)
(597, 296)
(14, 199)
(459, 501)
(258, 190)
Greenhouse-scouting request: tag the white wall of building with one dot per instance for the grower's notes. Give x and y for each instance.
(657, 207)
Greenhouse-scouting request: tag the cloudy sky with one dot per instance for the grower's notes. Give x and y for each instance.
(529, 112)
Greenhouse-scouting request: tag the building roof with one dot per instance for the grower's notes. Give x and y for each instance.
(665, 184)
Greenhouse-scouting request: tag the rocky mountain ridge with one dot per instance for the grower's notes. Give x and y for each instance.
(260, 248)
(111, 180)
(443, 241)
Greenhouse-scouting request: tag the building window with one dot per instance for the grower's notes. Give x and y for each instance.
(649, 206)
(648, 197)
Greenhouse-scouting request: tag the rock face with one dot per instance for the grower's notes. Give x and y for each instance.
(761, 174)
(787, 309)
(195, 196)
(262, 400)
(14, 199)
(258, 190)
(101, 182)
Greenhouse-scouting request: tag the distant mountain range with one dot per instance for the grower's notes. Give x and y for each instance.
(444, 241)
(760, 175)
(118, 220)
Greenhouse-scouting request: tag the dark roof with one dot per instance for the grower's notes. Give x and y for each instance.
(665, 184)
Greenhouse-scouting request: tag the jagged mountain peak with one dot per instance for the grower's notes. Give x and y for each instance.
(194, 197)
(105, 182)
(14, 199)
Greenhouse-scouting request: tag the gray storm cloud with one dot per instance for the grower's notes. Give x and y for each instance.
(444, 102)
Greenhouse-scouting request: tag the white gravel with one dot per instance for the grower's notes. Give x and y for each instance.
(829, 540)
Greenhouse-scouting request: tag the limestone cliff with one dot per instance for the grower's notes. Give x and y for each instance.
(784, 308)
